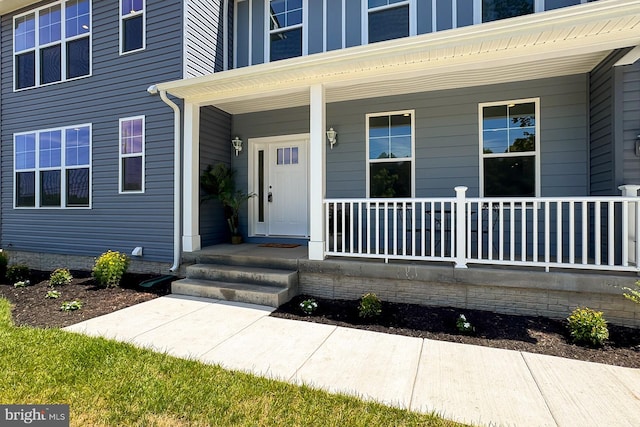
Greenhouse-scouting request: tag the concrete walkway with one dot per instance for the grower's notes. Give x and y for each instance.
(471, 384)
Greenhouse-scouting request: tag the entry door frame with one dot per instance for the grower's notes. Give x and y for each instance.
(252, 175)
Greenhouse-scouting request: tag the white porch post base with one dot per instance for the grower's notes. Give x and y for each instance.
(316, 251)
(191, 243)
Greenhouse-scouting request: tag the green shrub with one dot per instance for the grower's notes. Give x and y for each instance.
(71, 305)
(4, 260)
(17, 273)
(110, 268)
(308, 306)
(59, 277)
(634, 294)
(588, 326)
(370, 306)
(52, 295)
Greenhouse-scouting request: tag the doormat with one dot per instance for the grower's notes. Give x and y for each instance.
(279, 245)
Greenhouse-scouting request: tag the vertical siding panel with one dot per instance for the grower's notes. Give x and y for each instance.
(116, 221)
(425, 19)
(630, 122)
(242, 34)
(354, 22)
(334, 24)
(316, 26)
(258, 33)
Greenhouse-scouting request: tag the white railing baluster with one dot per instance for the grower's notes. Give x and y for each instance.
(479, 229)
(423, 230)
(611, 235)
(572, 232)
(559, 232)
(536, 250)
(512, 231)
(351, 227)
(625, 234)
(523, 231)
(585, 233)
(597, 233)
(547, 234)
(490, 233)
(501, 228)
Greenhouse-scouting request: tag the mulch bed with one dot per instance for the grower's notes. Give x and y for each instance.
(522, 333)
(30, 307)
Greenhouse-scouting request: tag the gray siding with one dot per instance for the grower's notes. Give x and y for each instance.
(447, 141)
(251, 31)
(215, 146)
(601, 102)
(116, 221)
(203, 38)
(630, 118)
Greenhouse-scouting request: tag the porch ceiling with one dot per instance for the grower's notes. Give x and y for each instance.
(563, 42)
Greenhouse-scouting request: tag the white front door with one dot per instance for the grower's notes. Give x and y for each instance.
(280, 181)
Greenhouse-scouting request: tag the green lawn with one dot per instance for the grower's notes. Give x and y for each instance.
(110, 383)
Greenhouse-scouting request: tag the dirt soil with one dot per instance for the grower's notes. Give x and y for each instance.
(30, 307)
(522, 333)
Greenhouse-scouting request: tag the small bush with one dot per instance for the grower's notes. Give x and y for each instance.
(4, 260)
(71, 305)
(464, 325)
(370, 306)
(308, 306)
(110, 268)
(17, 273)
(60, 277)
(22, 284)
(52, 294)
(588, 326)
(633, 294)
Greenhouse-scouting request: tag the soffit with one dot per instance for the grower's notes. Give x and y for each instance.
(566, 41)
(7, 6)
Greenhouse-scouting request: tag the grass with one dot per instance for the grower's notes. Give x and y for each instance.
(109, 383)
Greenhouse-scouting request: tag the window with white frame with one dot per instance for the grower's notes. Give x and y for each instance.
(390, 150)
(132, 155)
(388, 19)
(509, 142)
(132, 25)
(285, 29)
(52, 44)
(53, 168)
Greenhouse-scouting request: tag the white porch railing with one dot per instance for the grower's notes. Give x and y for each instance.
(550, 232)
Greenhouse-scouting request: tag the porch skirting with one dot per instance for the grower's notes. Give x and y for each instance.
(553, 294)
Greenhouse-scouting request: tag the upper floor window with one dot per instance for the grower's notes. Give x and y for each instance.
(51, 44)
(493, 10)
(132, 25)
(53, 167)
(132, 155)
(388, 19)
(509, 142)
(390, 154)
(285, 29)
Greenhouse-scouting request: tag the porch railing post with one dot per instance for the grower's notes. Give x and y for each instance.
(631, 228)
(461, 226)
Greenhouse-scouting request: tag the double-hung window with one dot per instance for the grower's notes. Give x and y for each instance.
(52, 44)
(53, 168)
(388, 19)
(509, 142)
(493, 10)
(132, 155)
(132, 25)
(390, 142)
(285, 29)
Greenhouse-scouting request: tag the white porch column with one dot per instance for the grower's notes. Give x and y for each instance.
(191, 179)
(633, 225)
(317, 153)
(461, 227)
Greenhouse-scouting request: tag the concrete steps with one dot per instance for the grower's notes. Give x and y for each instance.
(255, 285)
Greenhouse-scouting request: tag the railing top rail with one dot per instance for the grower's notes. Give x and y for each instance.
(494, 200)
(390, 201)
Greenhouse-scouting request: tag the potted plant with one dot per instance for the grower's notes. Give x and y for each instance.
(217, 182)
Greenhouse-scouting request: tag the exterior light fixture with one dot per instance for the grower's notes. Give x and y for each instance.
(331, 136)
(237, 144)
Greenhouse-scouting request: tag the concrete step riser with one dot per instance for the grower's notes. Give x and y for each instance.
(238, 276)
(220, 292)
(240, 261)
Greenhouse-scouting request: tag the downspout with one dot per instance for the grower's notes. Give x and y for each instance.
(177, 173)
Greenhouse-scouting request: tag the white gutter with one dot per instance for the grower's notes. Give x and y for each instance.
(177, 172)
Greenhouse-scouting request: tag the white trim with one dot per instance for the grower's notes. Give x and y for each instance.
(412, 159)
(535, 153)
(62, 43)
(123, 156)
(225, 35)
(413, 25)
(62, 168)
(191, 179)
(123, 18)
(252, 178)
(267, 30)
(630, 58)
